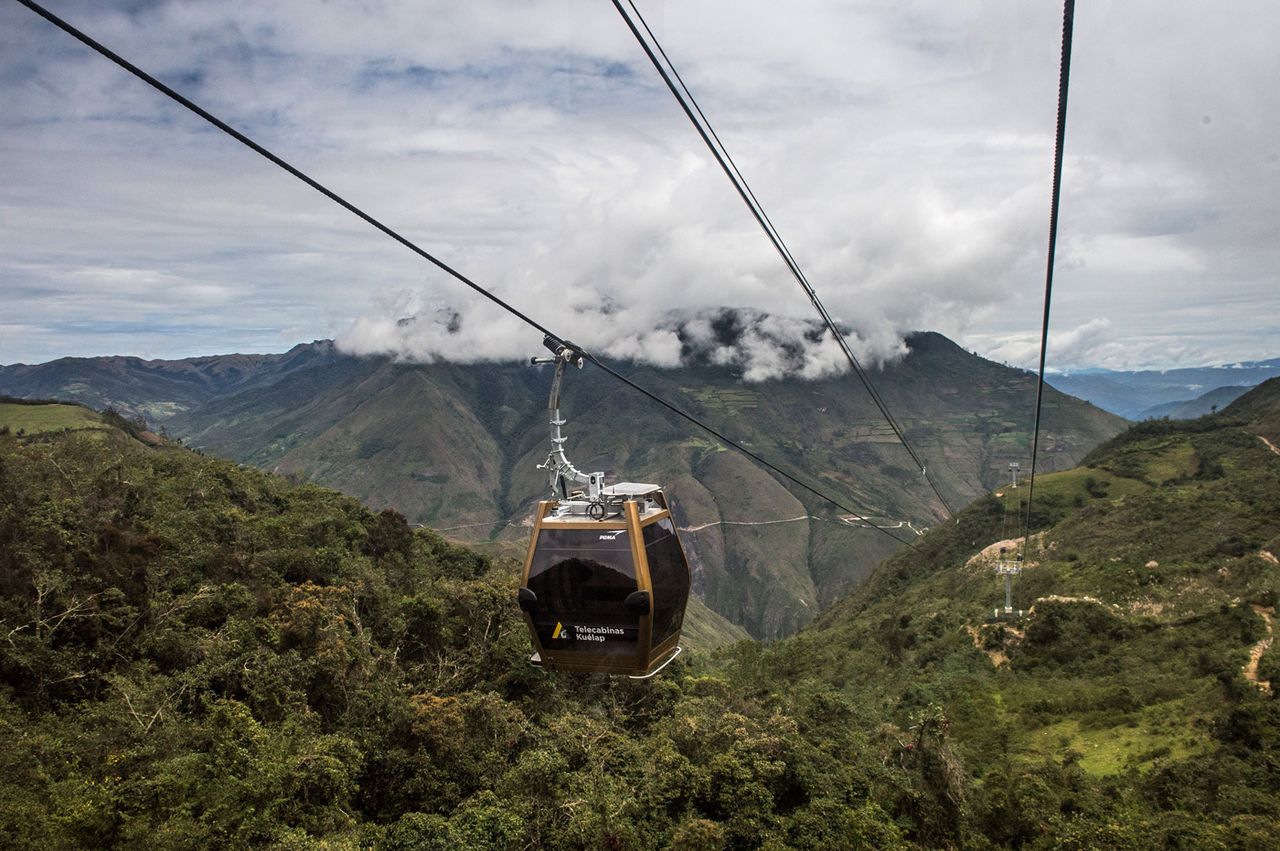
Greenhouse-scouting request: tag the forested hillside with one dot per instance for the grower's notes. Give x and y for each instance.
(1135, 705)
(201, 655)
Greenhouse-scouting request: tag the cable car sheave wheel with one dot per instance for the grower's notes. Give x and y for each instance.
(605, 581)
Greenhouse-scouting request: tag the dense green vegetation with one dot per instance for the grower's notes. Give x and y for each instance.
(200, 654)
(1119, 712)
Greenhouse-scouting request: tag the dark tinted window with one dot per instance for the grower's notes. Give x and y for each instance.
(670, 577)
(582, 577)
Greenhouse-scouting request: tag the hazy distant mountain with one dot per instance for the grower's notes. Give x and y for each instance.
(456, 447)
(1188, 409)
(1134, 394)
(155, 389)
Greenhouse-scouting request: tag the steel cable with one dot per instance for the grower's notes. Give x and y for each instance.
(1064, 78)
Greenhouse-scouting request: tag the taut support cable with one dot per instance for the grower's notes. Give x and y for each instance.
(1064, 78)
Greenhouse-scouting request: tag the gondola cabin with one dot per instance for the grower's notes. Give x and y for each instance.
(605, 583)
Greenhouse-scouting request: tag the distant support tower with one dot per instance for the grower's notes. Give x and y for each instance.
(1014, 469)
(1008, 568)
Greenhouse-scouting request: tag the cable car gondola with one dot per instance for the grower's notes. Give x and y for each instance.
(605, 581)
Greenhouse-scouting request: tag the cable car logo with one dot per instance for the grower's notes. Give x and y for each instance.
(559, 629)
(612, 536)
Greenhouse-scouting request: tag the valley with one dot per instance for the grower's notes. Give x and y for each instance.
(455, 447)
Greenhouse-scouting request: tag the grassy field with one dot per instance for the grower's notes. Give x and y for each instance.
(1083, 484)
(1109, 751)
(35, 419)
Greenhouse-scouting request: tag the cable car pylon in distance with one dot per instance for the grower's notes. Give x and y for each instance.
(1007, 568)
(606, 581)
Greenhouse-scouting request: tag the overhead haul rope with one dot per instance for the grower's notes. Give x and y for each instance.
(730, 168)
(1064, 77)
(1004, 516)
(347, 205)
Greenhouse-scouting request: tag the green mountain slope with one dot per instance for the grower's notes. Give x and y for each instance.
(456, 447)
(198, 653)
(1141, 677)
(1260, 409)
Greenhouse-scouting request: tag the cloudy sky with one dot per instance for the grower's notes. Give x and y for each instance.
(902, 148)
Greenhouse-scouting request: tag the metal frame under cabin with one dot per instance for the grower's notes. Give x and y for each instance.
(647, 660)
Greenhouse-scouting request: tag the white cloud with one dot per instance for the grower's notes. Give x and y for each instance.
(1090, 343)
(903, 150)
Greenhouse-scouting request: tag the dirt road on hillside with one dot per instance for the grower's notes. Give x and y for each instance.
(1255, 655)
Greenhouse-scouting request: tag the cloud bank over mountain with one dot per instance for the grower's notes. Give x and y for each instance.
(757, 345)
